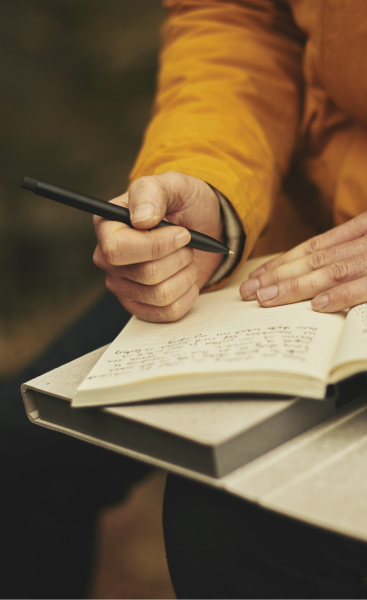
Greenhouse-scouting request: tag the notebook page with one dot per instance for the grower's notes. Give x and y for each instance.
(222, 333)
(353, 341)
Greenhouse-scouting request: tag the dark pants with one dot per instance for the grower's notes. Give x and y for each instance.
(52, 485)
(218, 546)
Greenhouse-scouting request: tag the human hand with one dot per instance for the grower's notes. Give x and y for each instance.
(151, 271)
(330, 268)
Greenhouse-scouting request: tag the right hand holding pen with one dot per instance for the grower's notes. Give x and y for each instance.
(151, 271)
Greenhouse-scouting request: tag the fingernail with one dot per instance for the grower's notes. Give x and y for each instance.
(320, 302)
(267, 293)
(249, 288)
(182, 238)
(256, 272)
(144, 212)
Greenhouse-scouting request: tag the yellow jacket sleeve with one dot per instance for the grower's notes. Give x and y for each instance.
(227, 104)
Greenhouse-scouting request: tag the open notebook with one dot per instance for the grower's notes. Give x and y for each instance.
(226, 345)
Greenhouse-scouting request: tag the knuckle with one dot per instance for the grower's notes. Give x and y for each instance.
(295, 286)
(156, 247)
(185, 255)
(175, 311)
(274, 276)
(96, 220)
(183, 258)
(191, 274)
(140, 183)
(110, 284)
(360, 264)
(270, 277)
(111, 251)
(338, 272)
(97, 259)
(163, 294)
(129, 305)
(150, 273)
(191, 253)
(345, 294)
(196, 270)
(173, 177)
(358, 225)
(180, 307)
(313, 245)
(144, 184)
(316, 260)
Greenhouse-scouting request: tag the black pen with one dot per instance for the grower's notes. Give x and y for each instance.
(112, 212)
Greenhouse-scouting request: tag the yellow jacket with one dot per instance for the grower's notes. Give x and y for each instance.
(266, 100)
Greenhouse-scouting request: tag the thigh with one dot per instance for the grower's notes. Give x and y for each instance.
(58, 455)
(52, 485)
(220, 546)
(96, 327)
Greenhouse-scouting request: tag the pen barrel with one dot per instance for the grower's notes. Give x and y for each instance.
(200, 241)
(112, 212)
(94, 206)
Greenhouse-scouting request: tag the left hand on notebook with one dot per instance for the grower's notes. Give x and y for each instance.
(330, 269)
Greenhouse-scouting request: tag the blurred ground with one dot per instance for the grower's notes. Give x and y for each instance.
(77, 84)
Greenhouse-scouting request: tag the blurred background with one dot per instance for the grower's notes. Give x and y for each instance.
(78, 79)
(77, 84)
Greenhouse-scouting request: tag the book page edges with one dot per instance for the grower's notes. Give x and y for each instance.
(346, 370)
(256, 382)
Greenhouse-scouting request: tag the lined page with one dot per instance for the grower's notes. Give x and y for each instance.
(222, 333)
(353, 342)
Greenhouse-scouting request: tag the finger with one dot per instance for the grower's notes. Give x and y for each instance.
(162, 294)
(312, 284)
(343, 296)
(162, 314)
(120, 201)
(105, 229)
(151, 272)
(353, 229)
(304, 265)
(125, 246)
(148, 199)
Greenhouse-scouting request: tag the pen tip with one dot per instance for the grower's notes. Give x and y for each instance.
(29, 184)
(231, 252)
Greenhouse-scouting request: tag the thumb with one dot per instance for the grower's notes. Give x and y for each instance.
(147, 202)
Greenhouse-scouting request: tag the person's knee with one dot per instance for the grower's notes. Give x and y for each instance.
(221, 546)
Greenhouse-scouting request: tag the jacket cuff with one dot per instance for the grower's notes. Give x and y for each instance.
(234, 238)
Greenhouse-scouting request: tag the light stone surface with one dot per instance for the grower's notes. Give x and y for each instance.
(319, 477)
